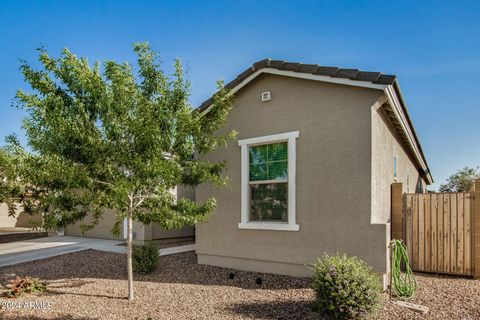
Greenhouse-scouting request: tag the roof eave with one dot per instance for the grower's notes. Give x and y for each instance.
(397, 99)
(427, 172)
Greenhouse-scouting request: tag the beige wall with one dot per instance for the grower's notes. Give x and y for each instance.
(188, 231)
(102, 230)
(159, 233)
(142, 232)
(21, 219)
(5, 220)
(333, 189)
(385, 146)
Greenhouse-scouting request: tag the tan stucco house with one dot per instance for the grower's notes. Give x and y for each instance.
(103, 229)
(318, 148)
(141, 231)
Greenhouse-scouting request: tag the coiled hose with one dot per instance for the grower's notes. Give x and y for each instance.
(404, 284)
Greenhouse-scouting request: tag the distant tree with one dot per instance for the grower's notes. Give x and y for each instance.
(461, 181)
(10, 188)
(106, 137)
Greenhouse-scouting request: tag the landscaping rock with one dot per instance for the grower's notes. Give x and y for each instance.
(92, 285)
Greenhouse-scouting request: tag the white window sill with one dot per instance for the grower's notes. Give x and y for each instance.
(269, 226)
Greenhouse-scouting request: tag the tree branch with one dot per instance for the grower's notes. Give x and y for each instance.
(103, 182)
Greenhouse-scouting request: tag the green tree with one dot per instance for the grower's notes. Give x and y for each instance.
(461, 181)
(115, 136)
(10, 190)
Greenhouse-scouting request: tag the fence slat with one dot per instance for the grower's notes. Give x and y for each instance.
(434, 232)
(460, 233)
(409, 227)
(453, 232)
(468, 233)
(428, 231)
(446, 232)
(415, 231)
(421, 231)
(440, 232)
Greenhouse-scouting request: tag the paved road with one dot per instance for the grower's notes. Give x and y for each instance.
(41, 248)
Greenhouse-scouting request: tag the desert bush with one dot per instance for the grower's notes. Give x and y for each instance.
(25, 285)
(145, 258)
(345, 287)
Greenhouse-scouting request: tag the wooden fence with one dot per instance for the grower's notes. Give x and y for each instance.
(441, 230)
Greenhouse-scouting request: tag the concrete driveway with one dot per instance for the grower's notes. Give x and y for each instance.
(35, 249)
(29, 250)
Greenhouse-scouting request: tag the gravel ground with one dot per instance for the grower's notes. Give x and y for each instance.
(91, 285)
(447, 297)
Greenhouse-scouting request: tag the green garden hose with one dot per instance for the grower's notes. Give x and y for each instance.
(403, 283)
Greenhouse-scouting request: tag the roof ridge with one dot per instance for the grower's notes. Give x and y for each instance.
(316, 69)
(332, 71)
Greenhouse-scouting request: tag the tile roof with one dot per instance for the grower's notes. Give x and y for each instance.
(335, 72)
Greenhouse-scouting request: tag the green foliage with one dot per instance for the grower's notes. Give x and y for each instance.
(145, 258)
(17, 168)
(26, 285)
(111, 136)
(461, 181)
(345, 287)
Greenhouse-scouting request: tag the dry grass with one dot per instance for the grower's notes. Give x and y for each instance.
(91, 285)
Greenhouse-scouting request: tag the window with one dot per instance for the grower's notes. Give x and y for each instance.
(408, 181)
(268, 182)
(395, 167)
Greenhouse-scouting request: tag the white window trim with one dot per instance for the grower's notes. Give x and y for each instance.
(291, 225)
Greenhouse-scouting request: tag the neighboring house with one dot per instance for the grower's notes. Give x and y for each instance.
(21, 220)
(141, 232)
(104, 228)
(318, 148)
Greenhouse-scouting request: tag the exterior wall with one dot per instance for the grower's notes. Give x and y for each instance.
(20, 220)
(5, 220)
(385, 146)
(158, 233)
(141, 232)
(102, 230)
(185, 232)
(333, 190)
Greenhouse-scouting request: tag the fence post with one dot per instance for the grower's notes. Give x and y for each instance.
(397, 209)
(476, 228)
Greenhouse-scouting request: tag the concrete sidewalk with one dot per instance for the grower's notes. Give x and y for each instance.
(35, 249)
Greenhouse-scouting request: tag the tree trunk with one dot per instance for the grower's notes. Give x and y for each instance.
(129, 253)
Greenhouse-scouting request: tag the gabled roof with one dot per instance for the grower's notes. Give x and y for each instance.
(376, 80)
(315, 69)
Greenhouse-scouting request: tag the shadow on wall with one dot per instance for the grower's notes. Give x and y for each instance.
(21, 219)
(26, 220)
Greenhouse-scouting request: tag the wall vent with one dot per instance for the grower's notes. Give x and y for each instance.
(266, 96)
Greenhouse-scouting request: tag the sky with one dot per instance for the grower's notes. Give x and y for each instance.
(432, 46)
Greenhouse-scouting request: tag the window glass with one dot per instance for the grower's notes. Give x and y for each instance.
(269, 162)
(395, 166)
(269, 202)
(269, 182)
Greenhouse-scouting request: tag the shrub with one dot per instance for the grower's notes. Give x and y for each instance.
(345, 287)
(26, 285)
(145, 258)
